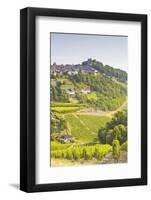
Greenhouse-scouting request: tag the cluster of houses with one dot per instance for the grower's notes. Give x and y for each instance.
(85, 68)
(72, 92)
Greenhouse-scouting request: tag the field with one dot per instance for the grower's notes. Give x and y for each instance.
(65, 109)
(59, 104)
(84, 127)
(94, 123)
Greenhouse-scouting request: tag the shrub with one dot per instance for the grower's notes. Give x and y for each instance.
(116, 149)
(99, 154)
(76, 153)
(87, 154)
(58, 154)
(124, 146)
(69, 154)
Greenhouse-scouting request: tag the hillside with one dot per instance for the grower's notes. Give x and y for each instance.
(84, 99)
(93, 91)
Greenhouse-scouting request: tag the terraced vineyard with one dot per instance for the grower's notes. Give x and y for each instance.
(85, 127)
(80, 154)
(94, 123)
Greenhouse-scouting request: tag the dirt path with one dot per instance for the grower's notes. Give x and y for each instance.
(108, 159)
(102, 113)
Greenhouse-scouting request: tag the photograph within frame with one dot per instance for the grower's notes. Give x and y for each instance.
(88, 93)
(28, 98)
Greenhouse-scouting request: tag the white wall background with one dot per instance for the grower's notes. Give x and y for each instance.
(9, 98)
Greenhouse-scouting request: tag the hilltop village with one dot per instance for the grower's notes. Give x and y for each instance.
(84, 68)
(89, 67)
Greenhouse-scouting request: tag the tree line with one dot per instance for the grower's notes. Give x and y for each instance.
(115, 133)
(118, 74)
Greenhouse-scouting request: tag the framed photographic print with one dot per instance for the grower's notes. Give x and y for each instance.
(83, 96)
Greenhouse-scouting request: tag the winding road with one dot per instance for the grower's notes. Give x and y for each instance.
(101, 113)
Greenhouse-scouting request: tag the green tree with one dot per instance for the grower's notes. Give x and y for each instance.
(120, 133)
(102, 135)
(109, 136)
(119, 118)
(115, 129)
(116, 150)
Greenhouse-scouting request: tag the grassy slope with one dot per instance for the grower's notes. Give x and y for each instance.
(85, 127)
(78, 130)
(94, 122)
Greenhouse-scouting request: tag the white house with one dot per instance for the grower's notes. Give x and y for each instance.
(73, 72)
(70, 91)
(69, 72)
(95, 72)
(86, 91)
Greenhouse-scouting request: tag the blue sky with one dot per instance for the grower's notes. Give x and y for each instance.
(75, 48)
